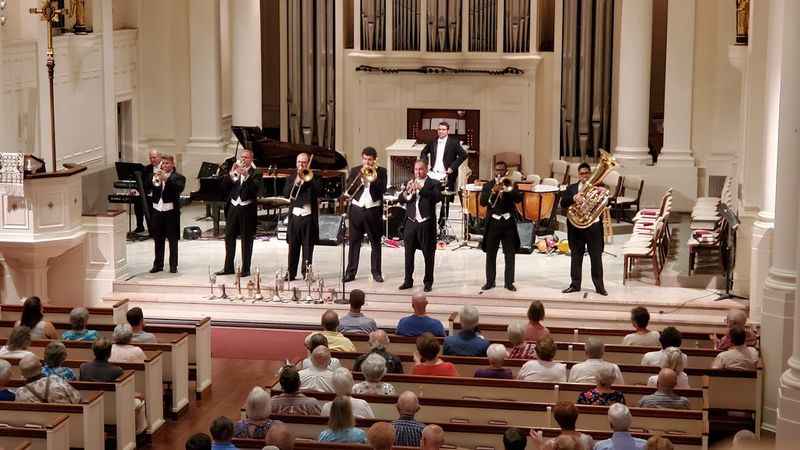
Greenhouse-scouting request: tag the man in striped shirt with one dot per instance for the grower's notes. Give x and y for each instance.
(408, 431)
(665, 396)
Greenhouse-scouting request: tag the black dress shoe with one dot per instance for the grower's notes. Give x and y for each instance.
(245, 274)
(405, 286)
(511, 287)
(139, 230)
(602, 291)
(487, 286)
(156, 269)
(377, 278)
(173, 270)
(427, 288)
(348, 278)
(224, 272)
(570, 290)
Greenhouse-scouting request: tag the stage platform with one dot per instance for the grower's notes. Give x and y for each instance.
(687, 302)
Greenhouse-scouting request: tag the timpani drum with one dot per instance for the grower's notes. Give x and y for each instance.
(538, 202)
(470, 200)
(395, 219)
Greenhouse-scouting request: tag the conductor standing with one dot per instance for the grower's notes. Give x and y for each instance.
(501, 226)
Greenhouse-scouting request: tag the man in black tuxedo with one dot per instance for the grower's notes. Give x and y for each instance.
(147, 180)
(420, 196)
(501, 226)
(303, 229)
(167, 185)
(581, 239)
(241, 217)
(444, 156)
(366, 215)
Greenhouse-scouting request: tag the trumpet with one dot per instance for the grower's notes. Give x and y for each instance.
(157, 173)
(237, 167)
(503, 185)
(412, 187)
(368, 175)
(305, 176)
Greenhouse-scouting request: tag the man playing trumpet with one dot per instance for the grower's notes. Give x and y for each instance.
(241, 215)
(166, 187)
(500, 197)
(420, 197)
(366, 209)
(303, 191)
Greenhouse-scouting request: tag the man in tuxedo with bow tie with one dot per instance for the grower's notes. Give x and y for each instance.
(302, 232)
(444, 156)
(166, 187)
(241, 216)
(420, 197)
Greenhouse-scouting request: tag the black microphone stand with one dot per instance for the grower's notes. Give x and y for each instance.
(343, 233)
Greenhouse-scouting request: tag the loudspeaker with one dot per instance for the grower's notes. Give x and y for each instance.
(192, 232)
(331, 231)
(525, 230)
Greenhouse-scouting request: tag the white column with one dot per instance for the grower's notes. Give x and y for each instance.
(678, 85)
(105, 25)
(633, 116)
(246, 62)
(779, 286)
(788, 423)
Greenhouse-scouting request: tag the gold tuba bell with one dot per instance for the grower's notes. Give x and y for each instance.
(583, 214)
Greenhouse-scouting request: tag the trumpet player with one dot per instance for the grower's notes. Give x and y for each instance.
(241, 212)
(500, 197)
(154, 159)
(420, 197)
(167, 185)
(303, 191)
(366, 211)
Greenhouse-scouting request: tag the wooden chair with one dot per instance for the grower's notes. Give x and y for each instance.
(651, 249)
(558, 170)
(628, 201)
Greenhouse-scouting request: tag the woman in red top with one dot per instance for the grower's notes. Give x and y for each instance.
(428, 361)
(535, 330)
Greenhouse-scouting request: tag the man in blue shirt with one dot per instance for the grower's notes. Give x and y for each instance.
(620, 418)
(5, 375)
(419, 322)
(222, 434)
(467, 342)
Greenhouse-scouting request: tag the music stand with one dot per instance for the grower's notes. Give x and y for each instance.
(133, 172)
(727, 244)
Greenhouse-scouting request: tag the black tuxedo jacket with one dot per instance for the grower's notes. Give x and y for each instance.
(454, 154)
(147, 181)
(429, 196)
(506, 204)
(376, 189)
(307, 193)
(567, 197)
(170, 190)
(247, 190)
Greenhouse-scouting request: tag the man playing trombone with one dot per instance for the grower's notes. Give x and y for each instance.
(366, 185)
(420, 197)
(166, 186)
(499, 196)
(241, 215)
(303, 191)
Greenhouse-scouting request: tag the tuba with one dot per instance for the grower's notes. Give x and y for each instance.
(583, 214)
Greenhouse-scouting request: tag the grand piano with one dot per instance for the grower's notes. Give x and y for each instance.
(274, 161)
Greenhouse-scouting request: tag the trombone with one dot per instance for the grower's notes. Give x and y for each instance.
(305, 175)
(368, 175)
(503, 185)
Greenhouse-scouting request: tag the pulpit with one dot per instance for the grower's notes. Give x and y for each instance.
(42, 224)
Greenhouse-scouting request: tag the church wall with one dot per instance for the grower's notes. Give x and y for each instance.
(546, 128)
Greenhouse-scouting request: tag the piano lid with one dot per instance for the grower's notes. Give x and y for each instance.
(282, 155)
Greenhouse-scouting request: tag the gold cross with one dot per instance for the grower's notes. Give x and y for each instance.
(49, 13)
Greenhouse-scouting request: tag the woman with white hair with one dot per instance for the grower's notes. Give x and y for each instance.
(256, 422)
(78, 318)
(673, 359)
(520, 348)
(122, 351)
(54, 356)
(18, 342)
(602, 394)
(374, 368)
(343, 386)
(497, 355)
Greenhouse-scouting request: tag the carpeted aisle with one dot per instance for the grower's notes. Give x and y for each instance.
(257, 344)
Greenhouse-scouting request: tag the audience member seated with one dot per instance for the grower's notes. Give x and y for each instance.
(427, 358)
(291, 401)
(738, 356)
(378, 341)
(100, 369)
(122, 351)
(745, 439)
(619, 416)
(432, 438)
(337, 342)
(54, 356)
(198, 441)
(374, 368)
(467, 342)
(256, 422)
(673, 359)
(135, 318)
(735, 317)
(585, 372)
(566, 415)
(659, 443)
(670, 337)
(342, 424)
(535, 330)
(318, 377)
(354, 321)
(514, 439)
(33, 318)
(222, 434)
(279, 437)
(419, 322)
(40, 388)
(78, 319)
(5, 374)
(665, 396)
(602, 394)
(640, 318)
(520, 348)
(314, 341)
(544, 369)
(17, 344)
(343, 387)
(380, 436)
(408, 432)
(497, 355)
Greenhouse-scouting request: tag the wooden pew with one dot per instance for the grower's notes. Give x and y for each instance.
(24, 446)
(85, 418)
(53, 313)
(306, 444)
(49, 433)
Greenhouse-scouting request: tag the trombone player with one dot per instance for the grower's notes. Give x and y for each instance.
(366, 186)
(500, 197)
(241, 215)
(302, 190)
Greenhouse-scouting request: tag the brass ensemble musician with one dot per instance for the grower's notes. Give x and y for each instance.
(303, 191)
(147, 177)
(444, 156)
(500, 197)
(166, 187)
(366, 212)
(241, 217)
(420, 197)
